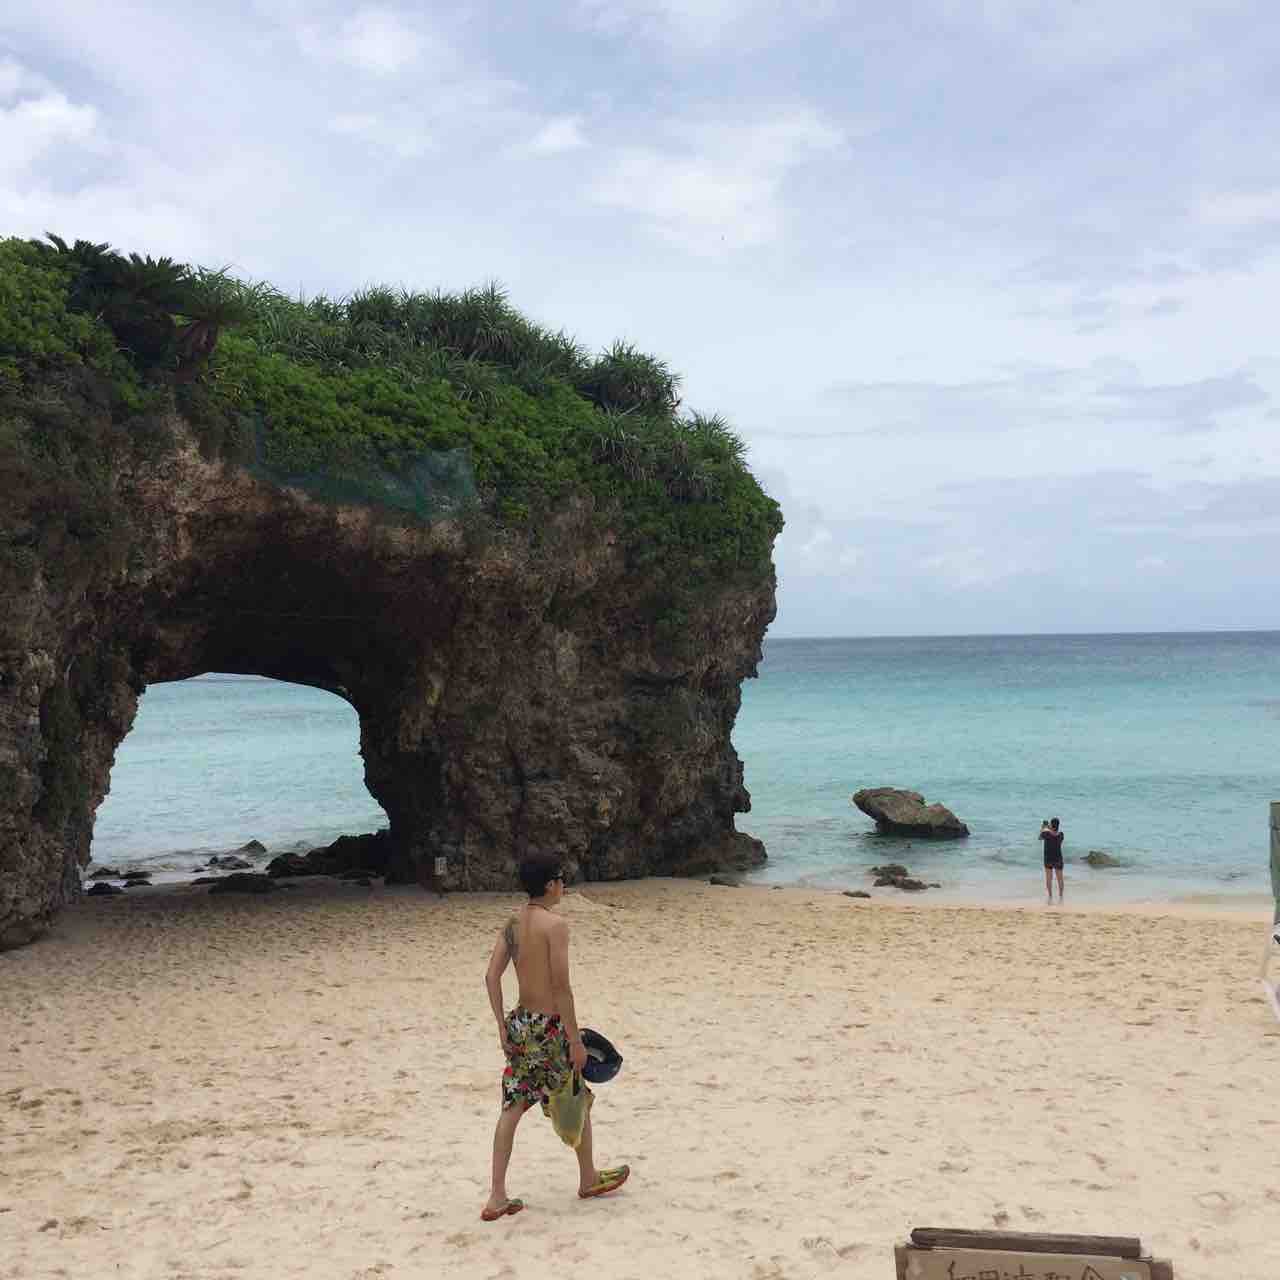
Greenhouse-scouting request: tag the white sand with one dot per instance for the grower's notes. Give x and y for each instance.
(305, 1085)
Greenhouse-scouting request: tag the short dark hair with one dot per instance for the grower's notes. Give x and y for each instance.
(1053, 822)
(537, 870)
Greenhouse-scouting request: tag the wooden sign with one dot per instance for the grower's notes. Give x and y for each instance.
(937, 1253)
(986, 1264)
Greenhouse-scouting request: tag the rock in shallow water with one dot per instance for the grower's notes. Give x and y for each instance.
(905, 813)
(103, 891)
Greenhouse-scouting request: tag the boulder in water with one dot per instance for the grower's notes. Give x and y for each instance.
(905, 813)
(102, 890)
(1101, 858)
(252, 846)
(105, 873)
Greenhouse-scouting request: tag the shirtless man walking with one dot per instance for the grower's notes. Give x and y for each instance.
(540, 1036)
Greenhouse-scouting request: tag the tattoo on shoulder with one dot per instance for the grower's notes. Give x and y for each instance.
(509, 936)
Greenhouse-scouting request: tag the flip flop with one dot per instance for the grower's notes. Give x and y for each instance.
(492, 1215)
(608, 1180)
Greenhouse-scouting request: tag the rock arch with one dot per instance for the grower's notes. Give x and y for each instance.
(513, 690)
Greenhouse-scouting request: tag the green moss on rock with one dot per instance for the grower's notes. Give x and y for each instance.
(423, 402)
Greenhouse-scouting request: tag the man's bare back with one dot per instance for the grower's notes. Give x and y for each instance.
(529, 935)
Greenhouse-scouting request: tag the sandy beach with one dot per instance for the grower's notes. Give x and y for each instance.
(305, 1085)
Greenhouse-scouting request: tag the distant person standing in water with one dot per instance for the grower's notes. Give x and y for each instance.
(1052, 839)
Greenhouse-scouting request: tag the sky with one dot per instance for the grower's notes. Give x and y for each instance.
(988, 287)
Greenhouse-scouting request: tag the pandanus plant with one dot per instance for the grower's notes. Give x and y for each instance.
(160, 311)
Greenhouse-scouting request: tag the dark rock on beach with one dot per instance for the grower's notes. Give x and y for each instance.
(105, 873)
(369, 854)
(103, 891)
(721, 880)
(1100, 858)
(856, 893)
(252, 846)
(895, 876)
(290, 864)
(207, 879)
(136, 881)
(900, 882)
(244, 882)
(905, 813)
(229, 862)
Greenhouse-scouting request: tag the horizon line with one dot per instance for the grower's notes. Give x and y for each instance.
(1023, 635)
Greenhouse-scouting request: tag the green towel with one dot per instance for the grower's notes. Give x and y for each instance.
(568, 1110)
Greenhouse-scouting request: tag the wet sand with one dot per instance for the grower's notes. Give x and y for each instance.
(305, 1084)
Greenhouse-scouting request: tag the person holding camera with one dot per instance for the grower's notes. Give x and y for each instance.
(1052, 837)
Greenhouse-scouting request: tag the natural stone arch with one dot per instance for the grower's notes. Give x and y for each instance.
(512, 689)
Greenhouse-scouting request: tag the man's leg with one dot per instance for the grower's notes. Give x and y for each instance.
(590, 1179)
(1059, 869)
(587, 1172)
(504, 1136)
(1048, 882)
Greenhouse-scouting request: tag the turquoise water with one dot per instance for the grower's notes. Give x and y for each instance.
(219, 760)
(1163, 750)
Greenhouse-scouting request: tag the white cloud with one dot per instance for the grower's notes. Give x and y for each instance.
(34, 126)
(963, 568)
(377, 41)
(402, 137)
(817, 543)
(14, 78)
(716, 186)
(1108, 393)
(564, 133)
(703, 26)
(1240, 208)
(374, 40)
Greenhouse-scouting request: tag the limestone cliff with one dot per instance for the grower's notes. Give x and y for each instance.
(514, 688)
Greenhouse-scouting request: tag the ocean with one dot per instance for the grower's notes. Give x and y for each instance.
(1160, 750)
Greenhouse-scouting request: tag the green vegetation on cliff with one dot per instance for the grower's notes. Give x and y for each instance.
(424, 402)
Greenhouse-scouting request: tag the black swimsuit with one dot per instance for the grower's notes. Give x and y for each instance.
(1053, 847)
